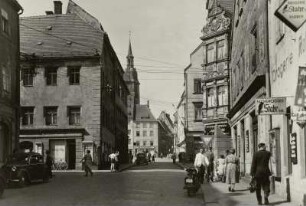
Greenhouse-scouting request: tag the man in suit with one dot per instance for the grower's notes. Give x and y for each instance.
(260, 171)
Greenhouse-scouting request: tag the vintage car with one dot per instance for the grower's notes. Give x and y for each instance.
(24, 168)
(2, 182)
(141, 159)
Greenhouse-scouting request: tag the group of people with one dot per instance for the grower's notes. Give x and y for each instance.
(150, 157)
(228, 169)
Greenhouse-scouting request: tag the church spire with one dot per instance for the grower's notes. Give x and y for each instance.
(130, 57)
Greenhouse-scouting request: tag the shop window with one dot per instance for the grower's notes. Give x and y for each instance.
(51, 76)
(74, 75)
(50, 115)
(74, 115)
(27, 115)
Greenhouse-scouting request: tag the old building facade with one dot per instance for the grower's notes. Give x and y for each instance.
(165, 133)
(287, 133)
(194, 101)
(179, 126)
(248, 71)
(9, 78)
(73, 96)
(215, 83)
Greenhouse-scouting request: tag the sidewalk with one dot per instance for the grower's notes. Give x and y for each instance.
(122, 167)
(217, 194)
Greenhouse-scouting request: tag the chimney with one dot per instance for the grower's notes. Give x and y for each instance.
(57, 7)
(49, 12)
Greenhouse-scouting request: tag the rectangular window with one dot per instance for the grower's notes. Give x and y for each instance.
(151, 125)
(151, 133)
(144, 143)
(74, 75)
(144, 133)
(50, 115)
(137, 125)
(5, 21)
(198, 111)
(74, 115)
(28, 77)
(137, 133)
(211, 101)
(222, 96)
(210, 53)
(220, 50)
(6, 81)
(51, 75)
(27, 115)
(145, 125)
(151, 143)
(197, 86)
(137, 143)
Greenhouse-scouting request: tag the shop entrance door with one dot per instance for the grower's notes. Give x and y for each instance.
(71, 153)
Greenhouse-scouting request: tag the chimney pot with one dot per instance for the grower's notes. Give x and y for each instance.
(57, 7)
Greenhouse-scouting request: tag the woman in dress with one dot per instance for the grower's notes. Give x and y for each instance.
(232, 164)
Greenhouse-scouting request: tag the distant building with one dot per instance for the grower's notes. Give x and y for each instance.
(144, 131)
(165, 134)
(9, 77)
(215, 83)
(179, 125)
(194, 101)
(73, 96)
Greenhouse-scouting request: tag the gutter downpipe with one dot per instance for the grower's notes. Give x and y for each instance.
(268, 90)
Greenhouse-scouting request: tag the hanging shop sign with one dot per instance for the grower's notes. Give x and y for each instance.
(292, 13)
(270, 106)
(293, 148)
(300, 94)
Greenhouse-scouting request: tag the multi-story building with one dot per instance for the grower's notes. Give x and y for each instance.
(165, 133)
(144, 131)
(215, 83)
(287, 73)
(248, 70)
(73, 96)
(179, 126)
(9, 78)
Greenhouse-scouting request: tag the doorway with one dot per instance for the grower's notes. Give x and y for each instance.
(71, 153)
(4, 140)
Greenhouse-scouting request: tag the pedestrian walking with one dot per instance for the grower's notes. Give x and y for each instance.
(131, 157)
(173, 156)
(261, 172)
(149, 157)
(87, 159)
(200, 163)
(153, 158)
(49, 163)
(221, 168)
(112, 157)
(117, 161)
(210, 169)
(232, 167)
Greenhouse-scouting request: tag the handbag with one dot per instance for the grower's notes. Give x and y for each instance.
(253, 186)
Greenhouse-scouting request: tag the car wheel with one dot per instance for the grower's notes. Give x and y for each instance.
(23, 180)
(2, 186)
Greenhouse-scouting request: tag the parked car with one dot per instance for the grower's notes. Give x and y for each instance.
(141, 159)
(2, 182)
(24, 168)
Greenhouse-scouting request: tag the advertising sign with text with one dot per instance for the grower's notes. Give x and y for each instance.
(300, 94)
(270, 106)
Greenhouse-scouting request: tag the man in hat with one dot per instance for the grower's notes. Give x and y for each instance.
(260, 171)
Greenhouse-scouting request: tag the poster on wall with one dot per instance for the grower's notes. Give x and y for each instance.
(300, 94)
(292, 13)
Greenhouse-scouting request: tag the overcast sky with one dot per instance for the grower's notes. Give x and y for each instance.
(163, 33)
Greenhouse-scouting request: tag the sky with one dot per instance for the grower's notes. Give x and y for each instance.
(163, 34)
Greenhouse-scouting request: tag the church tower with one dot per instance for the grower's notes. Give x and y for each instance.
(131, 79)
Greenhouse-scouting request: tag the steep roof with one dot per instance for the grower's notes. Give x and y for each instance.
(59, 35)
(144, 114)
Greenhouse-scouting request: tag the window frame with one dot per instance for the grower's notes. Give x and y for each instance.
(51, 76)
(222, 48)
(197, 111)
(5, 24)
(27, 115)
(74, 116)
(197, 87)
(210, 53)
(74, 73)
(53, 115)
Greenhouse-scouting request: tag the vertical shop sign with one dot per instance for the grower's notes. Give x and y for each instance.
(293, 148)
(300, 94)
(247, 141)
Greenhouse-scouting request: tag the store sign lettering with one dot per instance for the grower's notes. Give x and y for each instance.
(278, 72)
(293, 148)
(270, 106)
(292, 13)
